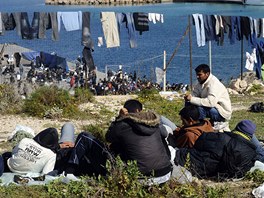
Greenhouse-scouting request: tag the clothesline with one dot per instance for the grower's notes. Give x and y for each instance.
(78, 20)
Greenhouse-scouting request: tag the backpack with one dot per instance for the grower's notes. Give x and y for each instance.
(257, 107)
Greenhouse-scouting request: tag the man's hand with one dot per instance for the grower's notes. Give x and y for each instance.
(187, 97)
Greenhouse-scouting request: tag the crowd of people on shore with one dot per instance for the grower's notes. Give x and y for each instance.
(202, 146)
(115, 82)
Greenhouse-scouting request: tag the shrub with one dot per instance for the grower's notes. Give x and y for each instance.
(96, 130)
(50, 101)
(82, 95)
(10, 102)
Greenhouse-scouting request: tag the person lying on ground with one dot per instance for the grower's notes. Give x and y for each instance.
(85, 156)
(221, 155)
(211, 97)
(136, 135)
(37, 155)
(192, 127)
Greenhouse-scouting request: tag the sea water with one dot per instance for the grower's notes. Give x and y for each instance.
(227, 61)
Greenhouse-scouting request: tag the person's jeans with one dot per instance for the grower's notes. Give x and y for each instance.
(259, 148)
(212, 113)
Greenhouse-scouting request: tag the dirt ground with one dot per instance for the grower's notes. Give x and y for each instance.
(9, 122)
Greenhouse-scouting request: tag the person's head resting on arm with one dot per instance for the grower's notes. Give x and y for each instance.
(245, 128)
(189, 115)
(202, 73)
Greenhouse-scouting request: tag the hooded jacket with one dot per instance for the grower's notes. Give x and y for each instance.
(212, 93)
(218, 154)
(35, 155)
(187, 136)
(138, 136)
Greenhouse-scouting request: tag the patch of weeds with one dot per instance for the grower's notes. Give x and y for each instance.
(256, 88)
(188, 191)
(97, 130)
(123, 180)
(168, 108)
(216, 192)
(256, 176)
(10, 101)
(106, 113)
(82, 95)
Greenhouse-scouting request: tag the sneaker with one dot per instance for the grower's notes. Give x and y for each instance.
(221, 126)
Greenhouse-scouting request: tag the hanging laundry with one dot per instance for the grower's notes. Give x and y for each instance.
(261, 27)
(86, 34)
(44, 24)
(159, 17)
(54, 25)
(159, 75)
(29, 31)
(71, 20)
(130, 25)
(251, 59)
(141, 22)
(100, 41)
(88, 59)
(199, 26)
(209, 24)
(154, 17)
(1, 25)
(8, 21)
(17, 16)
(110, 29)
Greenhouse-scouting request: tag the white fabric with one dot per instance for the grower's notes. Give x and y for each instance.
(199, 26)
(251, 59)
(159, 75)
(110, 29)
(156, 180)
(100, 41)
(1, 23)
(29, 156)
(152, 17)
(212, 93)
(259, 191)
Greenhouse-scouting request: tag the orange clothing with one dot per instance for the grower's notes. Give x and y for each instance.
(186, 136)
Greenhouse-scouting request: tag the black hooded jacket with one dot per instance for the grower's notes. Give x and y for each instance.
(48, 138)
(138, 136)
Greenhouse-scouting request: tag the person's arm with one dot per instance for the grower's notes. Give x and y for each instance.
(210, 101)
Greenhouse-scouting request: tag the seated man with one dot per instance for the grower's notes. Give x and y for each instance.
(212, 98)
(228, 154)
(136, 136)
(192, 128)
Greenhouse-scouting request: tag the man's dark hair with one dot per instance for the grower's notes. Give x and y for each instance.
(203, 67)
(190, 111)
(133, 105)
